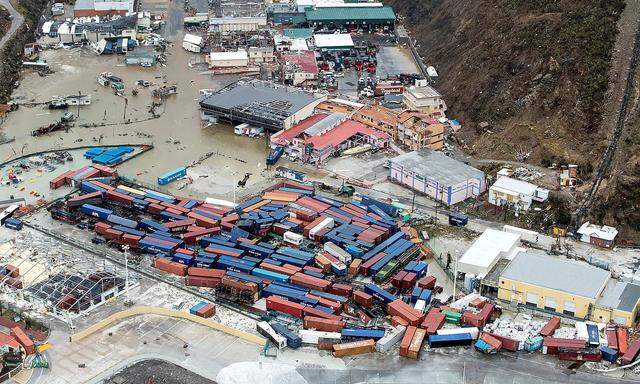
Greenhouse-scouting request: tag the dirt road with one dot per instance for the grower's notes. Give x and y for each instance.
(15, 23)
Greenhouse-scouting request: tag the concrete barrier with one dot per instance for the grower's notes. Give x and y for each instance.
(136, 311)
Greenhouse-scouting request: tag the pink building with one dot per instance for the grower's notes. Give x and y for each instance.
(439, 176)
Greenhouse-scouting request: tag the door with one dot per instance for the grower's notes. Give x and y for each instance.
(569, 308)
(550, 304)
(532, 299)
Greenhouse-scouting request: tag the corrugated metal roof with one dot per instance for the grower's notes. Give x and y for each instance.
(570, 276)
(620, 295)
(437, 166)
(298, 33)
(351, 13)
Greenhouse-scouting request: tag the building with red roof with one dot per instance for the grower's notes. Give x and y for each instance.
(8, 342)
(299, 68)
(320, 136)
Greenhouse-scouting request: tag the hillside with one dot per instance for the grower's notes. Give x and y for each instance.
(538, 77)
(521, 75)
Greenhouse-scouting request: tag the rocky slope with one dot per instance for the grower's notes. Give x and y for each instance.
(531, 76)
(522, 75)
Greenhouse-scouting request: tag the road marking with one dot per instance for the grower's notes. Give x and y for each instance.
(227, 347)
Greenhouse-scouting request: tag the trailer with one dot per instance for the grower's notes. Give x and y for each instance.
(267, 331)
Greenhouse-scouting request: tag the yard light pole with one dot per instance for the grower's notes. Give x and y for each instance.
(126, 268)
(234, 186)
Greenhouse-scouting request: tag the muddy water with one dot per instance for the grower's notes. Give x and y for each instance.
(178, 135)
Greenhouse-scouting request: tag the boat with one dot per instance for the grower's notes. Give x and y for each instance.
(357, 150)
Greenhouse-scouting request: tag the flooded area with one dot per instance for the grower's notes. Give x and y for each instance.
(177, 134)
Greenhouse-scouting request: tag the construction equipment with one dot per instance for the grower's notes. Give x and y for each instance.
(346, 190)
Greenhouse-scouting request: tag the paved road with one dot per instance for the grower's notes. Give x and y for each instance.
(15, 23)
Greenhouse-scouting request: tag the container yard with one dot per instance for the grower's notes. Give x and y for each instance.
(230, 193)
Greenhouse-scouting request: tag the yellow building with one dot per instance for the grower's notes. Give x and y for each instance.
(568, 287)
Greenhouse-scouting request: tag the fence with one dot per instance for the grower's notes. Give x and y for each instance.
(11, 373)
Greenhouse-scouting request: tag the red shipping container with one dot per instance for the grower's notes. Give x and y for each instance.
(397, 320)
(492, 341)
(195, 236)
(174, 211)
(207, 311)
(507, 343)
(396, 280)
(364, 299)
(550, 345)
(179, 224)
(364, 268)
(575, 354)
(205, 282)
(312, 269)
(154, 209)
(433, 321)
(292, 268)
(175, 207)
(277, 303)
(336, 306)
(170, 267)
(13, 282)
(409, 280)
(550, 327)
(12, 270)
(131, 240)
(612, 338)
(24, 340)
(153, 201)
(631, 354)
(226, 226)
(310, 282)
(404, 310)
(186, 251)
(313, 224)
(231, 218)
(102, 185)
(341, 289)
(406, 340)
(119, 197)
(112, 234)
(60, 180)
(427, 282)
(206, 272)
(310, 311)
(622, 340)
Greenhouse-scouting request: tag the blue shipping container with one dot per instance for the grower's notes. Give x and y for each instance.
(362, 333)
(172, 176)
(98, 212)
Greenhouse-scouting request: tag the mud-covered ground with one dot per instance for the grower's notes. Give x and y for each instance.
(157, 372)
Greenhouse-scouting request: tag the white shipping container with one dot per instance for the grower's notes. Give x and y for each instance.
(265, 330)
(293, 238)
(390, 339)
(525, 234)
(420, 305)
(311, 337)
(223, 203)
(473, 331)
(326, 223)
(581, 331)
(337, 252)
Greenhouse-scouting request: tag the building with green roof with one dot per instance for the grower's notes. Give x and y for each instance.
(298, 33)
(351, 17)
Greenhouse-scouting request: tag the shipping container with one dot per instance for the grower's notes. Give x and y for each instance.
(631, 354)
(579, 354)
(172, 176)
(379, 293)
(608, 354)
(204, 282)
(416, 343)
(267, 331)
(311, 337)
(438, 341)
(293, 341)
(473, 331)
(363, 333)
(354, 348)
(12, 223)
(389, 340)
(550, 327)
(322, 324)
(275, 303)
(363, 299)
(551, 345)
(406, 341)
(24, 340)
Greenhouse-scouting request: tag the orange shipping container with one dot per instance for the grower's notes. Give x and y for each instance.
(416, 343)
(406, 341)
(354, 348)
(23, 339)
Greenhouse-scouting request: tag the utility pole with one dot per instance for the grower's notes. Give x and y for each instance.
(124, 115)
(126, 268)
(455, 277)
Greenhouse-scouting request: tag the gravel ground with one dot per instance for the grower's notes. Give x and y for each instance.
(157, 372)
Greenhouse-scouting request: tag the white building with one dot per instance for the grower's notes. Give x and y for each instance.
(603, 236)
(520, 194)
(261, 55)
(487, 249)
(333, 41)
(236, 24)
(424, 98)
(192, 43)
(238, 58)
